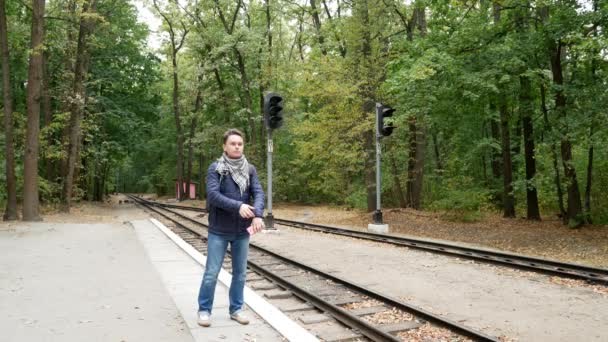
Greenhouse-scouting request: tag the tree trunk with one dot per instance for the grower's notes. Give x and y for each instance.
(78, 104)
(30, 178)
(193, 123)
(438, 163)
(229, 28)
(557, 178)
(11, 183)
(589, 174)
(79, 166)
(421, 130)
(96, 185)
(341, 46)
(94, 196)
(300, 33)
(178, 127)
(265, 83)
(591, 129)
(526, 111)
(396, 183)
(247, 94)
(317, 23)
(67, 78)
(102, 188)
(415, 169)
(268, 32)
(417, 130)
(516, 143)
(365, 91)
(175, 47)
(411, 162)
(508, 199)
(496, 156)
(89, 185)
(419, 166)
(575, 210)
(220, 85)
(47, 113)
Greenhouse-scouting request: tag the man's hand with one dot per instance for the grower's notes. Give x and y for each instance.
(246, 211)
(257, 224)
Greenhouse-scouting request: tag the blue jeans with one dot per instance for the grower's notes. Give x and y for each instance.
(216, 250)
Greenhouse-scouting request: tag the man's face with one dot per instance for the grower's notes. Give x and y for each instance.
(234, 146)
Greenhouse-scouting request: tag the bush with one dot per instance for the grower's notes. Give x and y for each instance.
(462, 202)
(357, 199)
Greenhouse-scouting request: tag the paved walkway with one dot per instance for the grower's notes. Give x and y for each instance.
(106, 282)
(82, 282)
(182, 277)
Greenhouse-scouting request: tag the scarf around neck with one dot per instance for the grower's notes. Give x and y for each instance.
(237, 168)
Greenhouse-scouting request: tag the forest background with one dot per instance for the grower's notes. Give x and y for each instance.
(500, 105)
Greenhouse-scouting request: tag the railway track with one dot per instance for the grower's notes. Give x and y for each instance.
(331, 307)
(567, 270)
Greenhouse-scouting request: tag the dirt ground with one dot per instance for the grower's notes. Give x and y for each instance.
(91, 212)
(548, 238)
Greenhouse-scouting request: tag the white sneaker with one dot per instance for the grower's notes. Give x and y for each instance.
(204, 319)
(239, 317)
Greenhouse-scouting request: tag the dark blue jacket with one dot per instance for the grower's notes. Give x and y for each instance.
(224, 200)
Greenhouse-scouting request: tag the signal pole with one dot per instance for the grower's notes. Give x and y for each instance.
(269, 217)
(378, 211)
(273, 117)
(382, 130)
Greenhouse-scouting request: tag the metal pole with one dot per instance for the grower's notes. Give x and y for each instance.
(378, 212)
(269, 218)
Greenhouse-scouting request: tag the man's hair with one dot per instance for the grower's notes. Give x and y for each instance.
(233, 131)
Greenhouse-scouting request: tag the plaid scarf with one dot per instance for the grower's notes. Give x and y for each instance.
(237, 168)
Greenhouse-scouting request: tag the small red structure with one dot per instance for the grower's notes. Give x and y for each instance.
(192, 189)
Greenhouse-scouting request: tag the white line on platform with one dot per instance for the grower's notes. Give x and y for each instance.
(277, 319)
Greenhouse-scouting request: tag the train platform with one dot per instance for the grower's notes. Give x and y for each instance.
(114, 282)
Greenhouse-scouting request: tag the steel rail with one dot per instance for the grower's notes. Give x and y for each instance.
(354, 322)
(592, 274)
(536, 264)
(337, 312)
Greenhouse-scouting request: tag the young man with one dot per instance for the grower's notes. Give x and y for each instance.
(231, 183)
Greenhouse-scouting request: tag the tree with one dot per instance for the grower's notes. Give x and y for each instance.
(11, 182)
(30, 179)
(468, 82)
(508, 198)
(526, 111)
(177, 36)
(78, 100)
(556, 53)
(417, 133)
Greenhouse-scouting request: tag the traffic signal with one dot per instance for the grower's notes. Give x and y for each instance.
(384, 111)
(273, 110)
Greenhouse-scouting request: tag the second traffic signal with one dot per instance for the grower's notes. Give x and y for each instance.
(273, 110)
(382, 112)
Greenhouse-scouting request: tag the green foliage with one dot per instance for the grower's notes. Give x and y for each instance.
(461, 200)
(447, 75)
(49, 192)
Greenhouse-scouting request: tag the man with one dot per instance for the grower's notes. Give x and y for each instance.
(231, 183)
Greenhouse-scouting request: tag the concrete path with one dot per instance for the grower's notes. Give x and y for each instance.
(182, 277)
(82, 282)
